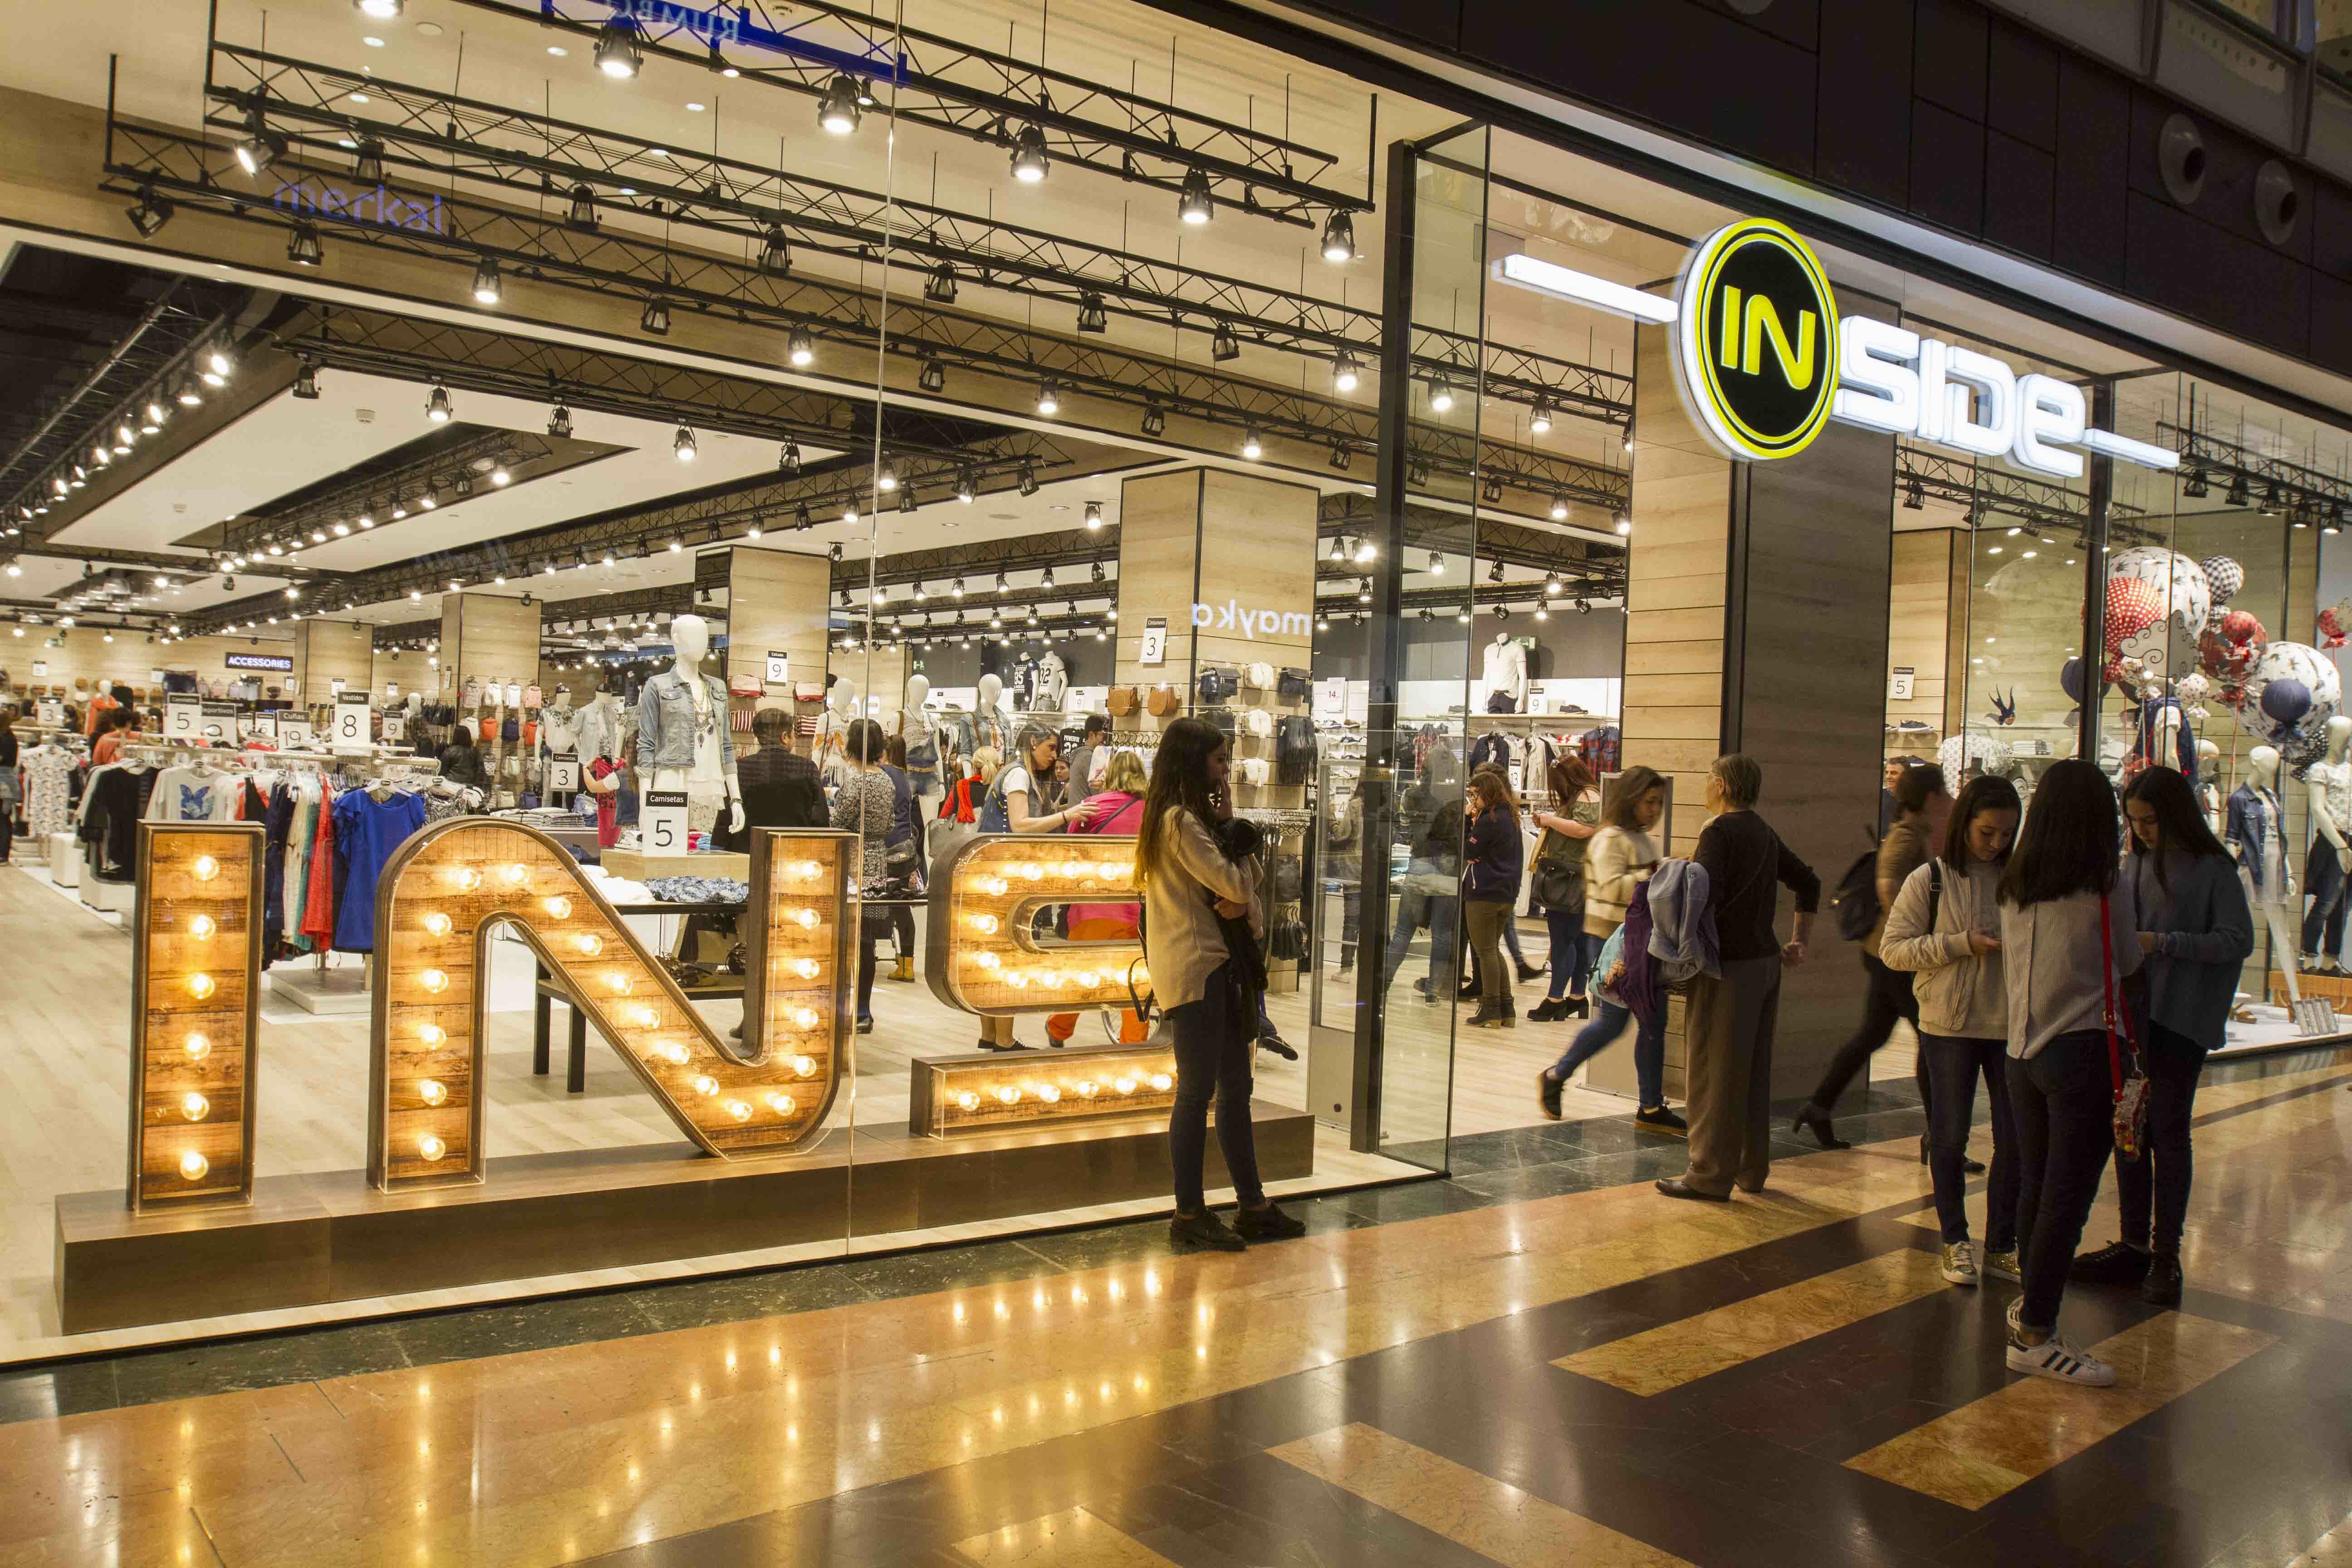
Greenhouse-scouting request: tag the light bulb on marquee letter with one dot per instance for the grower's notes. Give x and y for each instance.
(192, 1166)
(201, 927)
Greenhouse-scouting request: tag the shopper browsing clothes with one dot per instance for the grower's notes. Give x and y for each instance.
(1560, 870)
(1492, 859)
(2195, 931)
(1887, 996)
(1197, 864)
(1732, 1015)
(2068, 938)
(1943, 936)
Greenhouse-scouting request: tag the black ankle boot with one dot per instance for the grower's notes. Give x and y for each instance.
(1814, 1120)
(1574, 1007)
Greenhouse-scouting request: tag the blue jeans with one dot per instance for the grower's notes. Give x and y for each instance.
(1649, 1049)
(1414, 911)
(1574, 952)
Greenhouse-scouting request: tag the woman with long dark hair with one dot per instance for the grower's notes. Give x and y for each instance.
(1197, 864)
(1942, 935)
(2068, 937)
(1493, 858)
(1566, 831)
(2196, 930)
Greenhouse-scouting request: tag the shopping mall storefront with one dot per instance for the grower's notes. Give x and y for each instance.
(1394, 445)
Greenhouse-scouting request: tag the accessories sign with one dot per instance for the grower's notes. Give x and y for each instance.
(1757, 369)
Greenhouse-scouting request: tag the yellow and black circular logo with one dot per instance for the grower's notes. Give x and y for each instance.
(1757, 339)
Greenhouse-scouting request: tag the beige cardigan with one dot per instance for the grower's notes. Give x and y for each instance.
(1180, 940)
(1613, 859)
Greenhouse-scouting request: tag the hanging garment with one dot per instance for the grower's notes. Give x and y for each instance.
(48, 790)
(191, 795)
(318, 898)
(276, 817)
(367, 831)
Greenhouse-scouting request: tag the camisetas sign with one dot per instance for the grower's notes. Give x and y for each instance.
(1757, 367)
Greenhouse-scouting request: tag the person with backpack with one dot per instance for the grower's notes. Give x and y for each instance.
(1862, 900)
(2196, 930)
(2069, 940)
(1734, 1015)
(1121, 803)
(1198, 870)
(1942, 933)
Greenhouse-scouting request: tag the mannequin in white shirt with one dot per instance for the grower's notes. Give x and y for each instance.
(690, 634)
(1506, 673)
(2327, 784)
(2278, 902)
(831, 725)
(1053, 683)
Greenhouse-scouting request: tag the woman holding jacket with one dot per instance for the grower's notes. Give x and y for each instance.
(1943, 934)
(2196, 930)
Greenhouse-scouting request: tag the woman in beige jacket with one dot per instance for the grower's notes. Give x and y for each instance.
(1619, 858)
(1944, 928)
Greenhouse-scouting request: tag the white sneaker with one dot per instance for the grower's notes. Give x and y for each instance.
(1960, 1264)
(2060, 1362)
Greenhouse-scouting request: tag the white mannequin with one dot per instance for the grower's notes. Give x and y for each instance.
(1053, 682)
(832, 760)
(2277, 902)
(691, 636)
(2208, 794)
(992, 724)
(1507, 670)
(919, 728)
(2329, 786)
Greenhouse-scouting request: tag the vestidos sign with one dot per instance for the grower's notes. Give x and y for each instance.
(1755, 367)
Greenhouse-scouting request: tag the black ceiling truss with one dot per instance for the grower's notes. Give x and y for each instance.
(382, 495)
(641, 270)
(146, 366)
(1993, 495)
(533, 159)
(2272, 483)
(410, 635)
(1497, 538)
(715, 516)
(950, 86)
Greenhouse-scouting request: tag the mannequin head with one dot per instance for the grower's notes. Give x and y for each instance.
(839, 697)
(918, 688)
(2206, 752)
(2339, 730)
(991, 691)
(691, 636)
(2263, 761)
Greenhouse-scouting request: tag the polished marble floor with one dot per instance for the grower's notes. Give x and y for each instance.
(1536, 1360)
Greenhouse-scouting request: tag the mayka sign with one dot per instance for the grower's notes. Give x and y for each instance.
(1230, 616)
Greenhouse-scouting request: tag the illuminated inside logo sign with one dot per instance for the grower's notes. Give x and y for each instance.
(1753, 355)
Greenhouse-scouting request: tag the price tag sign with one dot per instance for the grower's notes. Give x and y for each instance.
(350, 731)
(1155, 641)
(184, 714)
(218, 724)
(53, 712)
(293, 732)
(395, 729)
(40, 670)
(562, 775)
(778, 668)
(662, 824)
(264, 725)
(1899, 684)
(392, 692)
(335, 684)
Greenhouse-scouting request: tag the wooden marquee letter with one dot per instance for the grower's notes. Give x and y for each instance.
(981, 953)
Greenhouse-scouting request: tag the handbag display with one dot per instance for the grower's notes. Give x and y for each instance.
(2131, 1085)
(1163, 702)
(1261, 675)
(1295, 685)
(1120, 700)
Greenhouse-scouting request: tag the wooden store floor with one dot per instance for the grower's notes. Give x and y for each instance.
(1539, 1364)
(63, 994)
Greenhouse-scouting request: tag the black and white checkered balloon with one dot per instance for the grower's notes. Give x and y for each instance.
(2225, 575)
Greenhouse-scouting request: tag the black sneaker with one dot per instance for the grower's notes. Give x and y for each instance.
(1658, 1119)
(1547, 1093)
(1203, 1232)
(1531, 970)
(2113, 1264)
(1279, 1046)
(2162, 1286)
(1971, 1167)
(1468, 990)
(1268, 1223)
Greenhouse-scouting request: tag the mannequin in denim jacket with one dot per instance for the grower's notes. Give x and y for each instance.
(691, 636)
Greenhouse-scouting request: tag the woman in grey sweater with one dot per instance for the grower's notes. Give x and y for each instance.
(1944, 928)
(2063, 911)
(2196, 930)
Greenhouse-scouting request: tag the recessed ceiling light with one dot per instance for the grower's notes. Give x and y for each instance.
(372, 43)
(557, 50)
(694, 108)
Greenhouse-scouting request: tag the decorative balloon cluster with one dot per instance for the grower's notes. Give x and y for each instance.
(2282, 693)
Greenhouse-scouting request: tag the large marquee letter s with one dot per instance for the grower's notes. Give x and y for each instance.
(454, 883)
(981, 953)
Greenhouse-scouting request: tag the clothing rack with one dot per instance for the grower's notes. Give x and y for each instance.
(376, 758)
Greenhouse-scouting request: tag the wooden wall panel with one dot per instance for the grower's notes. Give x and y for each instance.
(1922, 634)
(776, 599)
(331, 651)
(496, 638)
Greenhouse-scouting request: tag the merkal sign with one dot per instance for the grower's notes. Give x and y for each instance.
(1757, 367)
(381, 206)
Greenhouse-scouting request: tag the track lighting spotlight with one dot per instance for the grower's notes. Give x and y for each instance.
(1914, 495)
(188, 396)
(775, 255)
(1539, 418)
(381, 10)
(617, 53)
(1492, 490)
(885, 477)
(682, 445)
(1095, 572)
(838, 108)
(800, 519)
(2272, 498)
(1029, 160)
(1416, 471)
(1194, 205)
(2238, 494)
(800, 349)
(1552, 585)
(1341, 456)
(558, 422)
(1624, 524)
(1347, 374)
(956, 589)
(486, 287)
(934, 378)
(1363, 590)
(755, 530)
(1094, 517)
(149, 213)
(907, 499)
(966, 487)
(152, 423)
(1026, 475)
(1223, 345)
(655, 319)
(1559, 508)
(399, 511)
(218, 366)
(583, 207)
(306, 382)
(833, 552)
(1049, 399)
(2194, 485)
(1252, 444)
(1093, 317)
(436, 404)
(1155, 418)
(261, 149)
(367, 162)
(1501, 612)
(788, 461)
(940, 287)
(1339, 237)
(1440, 393)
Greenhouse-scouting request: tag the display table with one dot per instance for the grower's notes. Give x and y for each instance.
(639, 867)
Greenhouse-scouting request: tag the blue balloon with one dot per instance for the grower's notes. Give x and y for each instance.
(2070, 681)
(2287, 699)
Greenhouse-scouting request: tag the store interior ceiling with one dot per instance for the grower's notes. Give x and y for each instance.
(328, 417)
